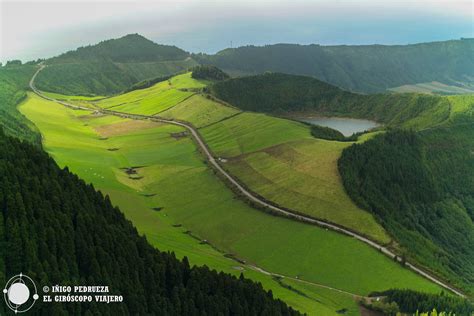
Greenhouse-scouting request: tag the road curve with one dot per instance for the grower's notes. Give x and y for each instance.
(249, 195)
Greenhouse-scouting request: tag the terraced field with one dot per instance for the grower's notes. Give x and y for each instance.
(159, 180)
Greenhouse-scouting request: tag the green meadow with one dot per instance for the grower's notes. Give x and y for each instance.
(282, 162)
(172, 192)
(199, 111)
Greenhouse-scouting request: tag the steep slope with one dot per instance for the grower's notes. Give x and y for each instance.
(58, 230)
(285, 94)
(13, 85)
(111, 66)
(130, 48)
(420, 187)
(369, 68)
(417, 184)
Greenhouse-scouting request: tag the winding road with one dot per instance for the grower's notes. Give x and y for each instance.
(249, 195)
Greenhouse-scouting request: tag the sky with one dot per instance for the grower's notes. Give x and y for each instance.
(40, 29)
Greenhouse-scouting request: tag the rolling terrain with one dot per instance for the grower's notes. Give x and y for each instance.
(365, 68)
(416, 187)
(111, 66)
(134, 160)
(59, 230)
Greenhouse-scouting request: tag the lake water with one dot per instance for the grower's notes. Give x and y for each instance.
(347, 126)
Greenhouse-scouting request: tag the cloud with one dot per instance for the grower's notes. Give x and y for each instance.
(41, 29)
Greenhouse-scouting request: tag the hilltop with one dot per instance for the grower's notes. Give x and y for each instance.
(111, 66)
(362, 68)
(129, 48)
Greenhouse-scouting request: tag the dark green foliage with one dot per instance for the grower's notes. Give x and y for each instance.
(410, 301)
(281, 93)
(369, 68)
(13, 84)
(13, 63)
(58, 230)
(147, 83)
(419, 186)
(208, 72)
(88, 78)
(324, 132)
(110, 67)
(130, 48)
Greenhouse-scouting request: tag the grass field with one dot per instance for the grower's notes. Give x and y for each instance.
(303, 176)
(462, 104)
(249, 132)
(199, 111)
(279, 160)
(172, 176)
(155, 99)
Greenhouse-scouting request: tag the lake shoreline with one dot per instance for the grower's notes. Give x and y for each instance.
(346, 125)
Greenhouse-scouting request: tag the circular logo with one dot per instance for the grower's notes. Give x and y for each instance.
(17, 293)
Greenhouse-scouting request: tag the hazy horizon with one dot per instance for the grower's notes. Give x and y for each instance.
(41, 29)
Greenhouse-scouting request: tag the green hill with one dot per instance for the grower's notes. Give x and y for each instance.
(418, 183)
(58, 230)
(419, 186)
(366, 68)
(111, 66)
(13, 84)
(284, 94)
(130, 48)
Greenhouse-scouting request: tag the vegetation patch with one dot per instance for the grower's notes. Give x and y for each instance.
(417, 187)
(208, 72)
(412, 302)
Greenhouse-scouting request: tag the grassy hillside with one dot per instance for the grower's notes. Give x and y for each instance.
(418, 187)
(155, 99)
(369, 68)
(111, 66)
(13, 85)
(58, 230)
(284, 94)
(173, 192)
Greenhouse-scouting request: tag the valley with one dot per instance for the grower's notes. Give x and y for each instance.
(167, 183)
(250, 192)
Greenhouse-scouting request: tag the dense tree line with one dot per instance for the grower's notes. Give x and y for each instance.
(59, 230)
(14, 82)
(420, 187)
(411, 302)
(147, 83)
(208, 72)
(366, 68)
(282, 93)
(324, 132)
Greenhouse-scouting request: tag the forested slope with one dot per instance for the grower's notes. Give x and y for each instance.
(420, 187)
(366, 68)
(111, 66)
(58, 230)
(13, 84)
(285, 94)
